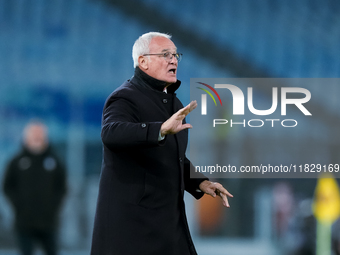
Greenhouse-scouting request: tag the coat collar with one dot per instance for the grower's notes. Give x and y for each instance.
(29, 153)
(146, 80)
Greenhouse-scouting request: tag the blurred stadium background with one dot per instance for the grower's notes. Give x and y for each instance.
(60, 59)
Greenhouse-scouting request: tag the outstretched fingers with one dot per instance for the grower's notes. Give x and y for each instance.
(189, 108)
(175, 123)
(216, 189)
(223, 193)
(224, 197)
(193, 105)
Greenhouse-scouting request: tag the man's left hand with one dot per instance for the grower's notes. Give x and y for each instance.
(215, 189)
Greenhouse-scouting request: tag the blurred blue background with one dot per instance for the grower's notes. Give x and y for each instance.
(60, 59)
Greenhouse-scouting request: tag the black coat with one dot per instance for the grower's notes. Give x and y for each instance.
(35, 185)
(140, 206)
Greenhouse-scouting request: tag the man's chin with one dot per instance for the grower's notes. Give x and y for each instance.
(171, 80)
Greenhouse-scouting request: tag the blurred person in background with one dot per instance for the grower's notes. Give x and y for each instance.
(140, 208)
(35, 184)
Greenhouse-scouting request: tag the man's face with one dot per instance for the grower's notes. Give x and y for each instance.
(36, 138)
(156, 65)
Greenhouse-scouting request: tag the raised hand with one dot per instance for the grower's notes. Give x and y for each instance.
(175, 123)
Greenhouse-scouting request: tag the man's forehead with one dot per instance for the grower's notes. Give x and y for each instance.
(162, 44)
(34, 128)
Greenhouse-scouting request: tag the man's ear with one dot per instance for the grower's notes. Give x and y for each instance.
(143, 62)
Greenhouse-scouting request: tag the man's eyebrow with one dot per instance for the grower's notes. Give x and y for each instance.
(166, 50)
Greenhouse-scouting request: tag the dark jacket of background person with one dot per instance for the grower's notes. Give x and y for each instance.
(140, 206)
(35, 185)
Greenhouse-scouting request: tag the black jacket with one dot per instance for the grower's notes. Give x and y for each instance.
(140, 206)
(35, 185)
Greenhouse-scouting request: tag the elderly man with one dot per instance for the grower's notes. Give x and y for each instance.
(145, 171)
(35, 184)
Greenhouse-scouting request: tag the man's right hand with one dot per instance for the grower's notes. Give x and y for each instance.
(175, 123)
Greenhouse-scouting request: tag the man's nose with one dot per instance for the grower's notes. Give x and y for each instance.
(173, 60)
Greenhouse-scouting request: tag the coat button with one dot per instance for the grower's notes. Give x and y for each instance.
(143, 125)
(165, 100)
(180, 160)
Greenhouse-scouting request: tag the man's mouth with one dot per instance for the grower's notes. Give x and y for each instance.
(172, 71)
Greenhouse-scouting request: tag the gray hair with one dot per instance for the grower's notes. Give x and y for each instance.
(141, 45)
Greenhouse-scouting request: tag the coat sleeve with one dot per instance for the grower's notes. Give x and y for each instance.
(121, 126)
(193, 179)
